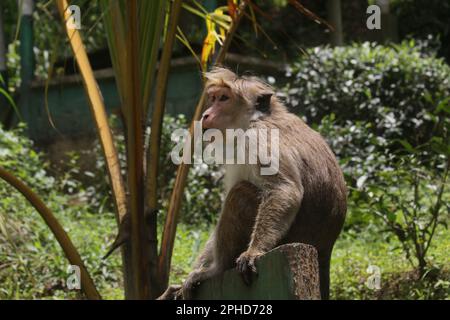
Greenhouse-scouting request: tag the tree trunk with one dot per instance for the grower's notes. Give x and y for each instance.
(389, 26)
(335, 19)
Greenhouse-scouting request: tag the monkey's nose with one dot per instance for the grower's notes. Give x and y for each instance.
(204, 121)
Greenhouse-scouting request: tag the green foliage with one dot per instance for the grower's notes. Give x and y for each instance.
(189, 241)
(361, 154)
(413, 213)
(17, 155)
(384, 111)
(49, 36)
(202, 197)
(32, 265)
(355, 252)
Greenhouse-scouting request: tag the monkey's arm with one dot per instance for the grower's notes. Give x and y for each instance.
(276, 213)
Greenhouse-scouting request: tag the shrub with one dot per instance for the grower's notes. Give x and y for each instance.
(394, 88)
(202, 196)
(411, 202)
(361, 154)
(17, 155)
(393, 145)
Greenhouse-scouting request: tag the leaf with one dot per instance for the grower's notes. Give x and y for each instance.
(232, 8)
(11, 102)
(184, 40)
(391, 216)
(428, 97)
(407, 145)
(444, 105)
(360, 182)
(208, 46)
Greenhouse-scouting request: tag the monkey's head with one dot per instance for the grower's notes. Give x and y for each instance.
(234, 101)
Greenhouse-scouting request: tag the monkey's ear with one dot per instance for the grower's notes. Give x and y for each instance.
(263, 102)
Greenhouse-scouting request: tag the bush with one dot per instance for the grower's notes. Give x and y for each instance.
(392, 88)
(384, 111)
(202, 196)
(17, 155)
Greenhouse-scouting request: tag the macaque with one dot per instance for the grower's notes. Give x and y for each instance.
(305, 201)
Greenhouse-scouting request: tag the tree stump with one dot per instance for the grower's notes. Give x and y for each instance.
(288, 272)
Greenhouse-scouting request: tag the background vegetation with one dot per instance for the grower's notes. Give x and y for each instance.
(383, 108)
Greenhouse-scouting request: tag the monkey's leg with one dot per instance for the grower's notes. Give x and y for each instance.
(276, 213)
(231, 236)
(235, 226)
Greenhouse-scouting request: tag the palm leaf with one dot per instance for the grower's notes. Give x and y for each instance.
(158, 110)
(151, 21)
(99, 113)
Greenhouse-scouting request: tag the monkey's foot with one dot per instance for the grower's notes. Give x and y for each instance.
(193, 280)
(172, 293)
(246, 265)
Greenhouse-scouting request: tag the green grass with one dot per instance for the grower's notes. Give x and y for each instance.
(188, 244)
(33, 266)
(351, 258)
(353, 255)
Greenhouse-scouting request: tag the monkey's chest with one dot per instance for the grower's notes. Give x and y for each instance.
(241, 172)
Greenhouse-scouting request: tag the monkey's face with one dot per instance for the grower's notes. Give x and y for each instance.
(224, 111)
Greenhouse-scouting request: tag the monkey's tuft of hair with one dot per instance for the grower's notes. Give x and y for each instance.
(246, 87)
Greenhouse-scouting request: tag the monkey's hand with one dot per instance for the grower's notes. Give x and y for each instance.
(246, 264)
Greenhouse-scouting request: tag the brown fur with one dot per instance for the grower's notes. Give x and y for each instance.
(304, 202)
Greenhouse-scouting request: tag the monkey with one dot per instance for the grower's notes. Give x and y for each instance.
(304, 201)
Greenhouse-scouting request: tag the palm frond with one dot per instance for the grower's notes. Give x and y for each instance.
(151, 21)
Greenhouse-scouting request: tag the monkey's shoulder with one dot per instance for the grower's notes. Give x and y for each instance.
(287, 123)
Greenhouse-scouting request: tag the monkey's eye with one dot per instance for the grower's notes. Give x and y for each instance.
(224, 98)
